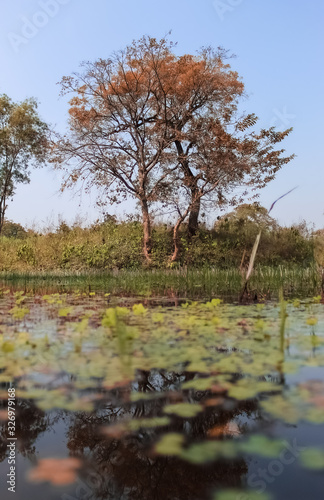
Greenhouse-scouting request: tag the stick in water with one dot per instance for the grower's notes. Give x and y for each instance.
(256, 245)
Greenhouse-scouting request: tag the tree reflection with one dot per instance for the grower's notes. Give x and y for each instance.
(30, 422)
(126, 467)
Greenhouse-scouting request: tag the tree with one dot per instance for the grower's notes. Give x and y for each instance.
(239, 229)
(118, 141)
(247, 216)
(13, 230)
(23, 143)
(217, 149)
(166, 129)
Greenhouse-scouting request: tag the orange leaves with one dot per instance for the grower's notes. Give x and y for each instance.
(114, 431)
(58, 471)
(77, 101)
(214, 402)
(229, 429)
(82, 115)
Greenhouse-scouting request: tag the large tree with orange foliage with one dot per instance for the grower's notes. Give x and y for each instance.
(117, 139)
(164, 129)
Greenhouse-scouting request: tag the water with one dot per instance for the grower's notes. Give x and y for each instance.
(116, 400)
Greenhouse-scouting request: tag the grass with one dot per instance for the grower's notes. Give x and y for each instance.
(193, 283)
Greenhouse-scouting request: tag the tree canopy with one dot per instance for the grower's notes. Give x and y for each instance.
(165, 130)
(23, 143)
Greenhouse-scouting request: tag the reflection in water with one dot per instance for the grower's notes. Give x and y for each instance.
(30, 423)
(88, 388)
(125, 466)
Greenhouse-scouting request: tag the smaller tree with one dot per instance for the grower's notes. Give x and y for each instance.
(13, 230)
(23, 143)
(245, 216)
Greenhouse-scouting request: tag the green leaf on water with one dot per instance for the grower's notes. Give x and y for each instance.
(209, 451)
(170, 444)
(242, 392)
(112, 315)
(314, 415)
(65, 311)
(142, 396)
(146, 423)
(8, 347)
(184, 410)
(157, 317)
(249, 388)
(139, 310)
(199, 384)
(213, 303)
(235, 494)
(279, 407)
(262, 446)
(312, 458)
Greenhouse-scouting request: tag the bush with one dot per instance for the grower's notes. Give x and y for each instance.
(13, 230)
(118, 245)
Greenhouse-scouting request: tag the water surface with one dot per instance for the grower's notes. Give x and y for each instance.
(162, 401)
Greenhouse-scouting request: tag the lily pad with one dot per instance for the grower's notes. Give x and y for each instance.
(184, 410)
(170, 444)
(312, 458)
(235, 494)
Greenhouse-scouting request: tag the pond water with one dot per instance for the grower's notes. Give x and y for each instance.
(102, 398)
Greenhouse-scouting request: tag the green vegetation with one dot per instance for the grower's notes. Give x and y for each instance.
(192, 283)
(113, 245)
(108, 256)
(23, 143)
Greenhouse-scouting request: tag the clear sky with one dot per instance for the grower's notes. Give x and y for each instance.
(279, 49)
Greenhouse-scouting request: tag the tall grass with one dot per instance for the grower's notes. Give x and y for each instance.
(206, 282)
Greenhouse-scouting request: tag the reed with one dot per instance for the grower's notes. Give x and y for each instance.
(265, 282)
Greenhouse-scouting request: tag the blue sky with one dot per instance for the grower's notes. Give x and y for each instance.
(278, 45)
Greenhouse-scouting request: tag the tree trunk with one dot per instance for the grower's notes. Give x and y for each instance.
(2, 212)
(176, 243)
(191, 181)
(194, 214)
(147, 243)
